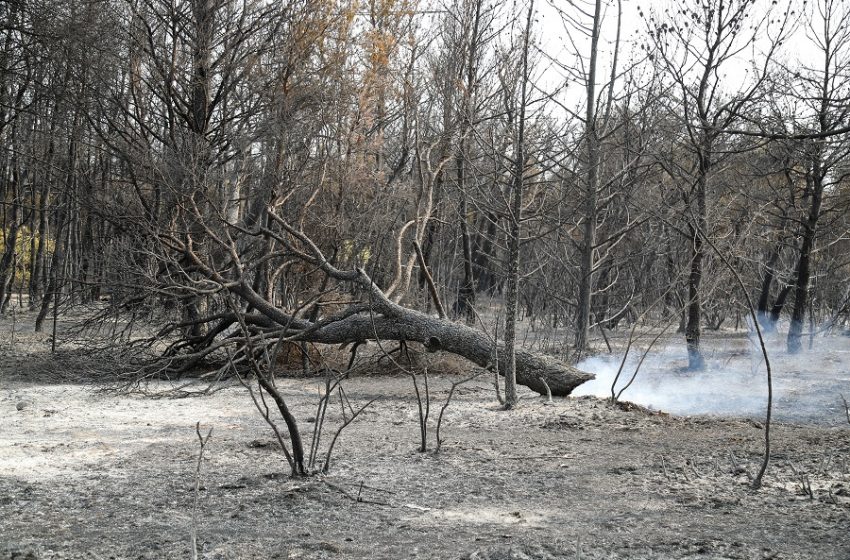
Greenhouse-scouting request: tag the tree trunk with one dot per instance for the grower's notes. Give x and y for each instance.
(764, 296)
(465, 306)
(692, 329)
(390, 321)
(533, 370)
(39, 257)
(588, 244)
(483, 253)
(515, 219)
(779, 305)
(53, 288)
(8, 260)
(801, 286)
(694, 311)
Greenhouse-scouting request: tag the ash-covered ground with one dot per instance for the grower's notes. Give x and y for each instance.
(90, 474)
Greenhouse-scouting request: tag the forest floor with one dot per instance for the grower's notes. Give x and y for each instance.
(90, 474)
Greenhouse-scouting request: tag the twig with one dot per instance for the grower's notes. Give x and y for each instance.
(638, 366)
(548, 390)
(496, 364)
(693, 464)
(317, 425)
(264, 411)
(346, 399)
(757, 480)
(423, 423)
(358, 498)
(342, 404)
(455, 385)
(615, 395)
(267, 384)
(327, 464)
(203, 442)
(664, 468)
(832, 498)
(330, 386)
(427, 397)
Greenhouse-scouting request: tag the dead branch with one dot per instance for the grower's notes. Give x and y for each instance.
(327, 465)
(203, 440)
(454, 386)
(358, 498)
(432, 288)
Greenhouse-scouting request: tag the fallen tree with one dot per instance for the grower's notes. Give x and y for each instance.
(369, 314)
(386, 320)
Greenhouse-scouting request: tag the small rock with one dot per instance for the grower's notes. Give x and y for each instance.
(22, 405)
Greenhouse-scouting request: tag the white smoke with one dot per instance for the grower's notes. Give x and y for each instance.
(807, 386)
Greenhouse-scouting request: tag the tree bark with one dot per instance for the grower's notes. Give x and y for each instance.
(515, 219)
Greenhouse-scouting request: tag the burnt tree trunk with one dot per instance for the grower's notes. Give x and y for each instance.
(385, 320)
(801, 286)
(764, 296)
(779, 305)
(696, 361)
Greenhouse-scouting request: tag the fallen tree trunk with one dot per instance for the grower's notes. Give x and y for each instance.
(386, 320)
(533, 370)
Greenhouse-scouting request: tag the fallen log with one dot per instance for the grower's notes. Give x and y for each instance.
(386, 320)
(533, 370)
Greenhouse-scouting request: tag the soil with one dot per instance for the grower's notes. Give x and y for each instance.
(89, 474)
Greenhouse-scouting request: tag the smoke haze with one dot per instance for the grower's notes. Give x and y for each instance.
(807, 387)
